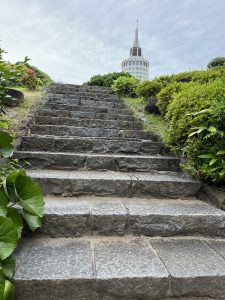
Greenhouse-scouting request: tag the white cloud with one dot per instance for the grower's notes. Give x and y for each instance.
(72, 40)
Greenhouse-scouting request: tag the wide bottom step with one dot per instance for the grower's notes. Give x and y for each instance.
(120, 268)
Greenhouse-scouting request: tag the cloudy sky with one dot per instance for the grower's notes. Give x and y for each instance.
(73, 39)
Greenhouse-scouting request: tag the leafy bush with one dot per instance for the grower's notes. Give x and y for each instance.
(106, 79)
(126, 86)
(205, 147)
(21, 199)
(42, 77)
(216, 62)
(192, 99)
(149, 89)
(166, 95)
(30, 79)
(9, 74)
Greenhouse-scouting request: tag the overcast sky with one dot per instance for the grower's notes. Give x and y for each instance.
(73, 39)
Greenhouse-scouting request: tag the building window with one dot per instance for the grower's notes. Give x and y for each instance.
(141, 63)
(129, 63)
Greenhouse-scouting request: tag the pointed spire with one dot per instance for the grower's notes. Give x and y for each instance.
(136, 41)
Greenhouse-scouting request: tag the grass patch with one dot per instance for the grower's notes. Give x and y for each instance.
(16, 115)
(150, 122)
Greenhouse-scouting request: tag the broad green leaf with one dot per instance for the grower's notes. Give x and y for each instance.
(3, 202)
(216, 168)
(30, 195)
(32, 221)
(200, 129)
(207, 156)
(222, 173)
(6, 147)
(8, 291)
(212, 161)
(8, 266)
(221, 152)
(10, 184)
(8, 237)
(17, 219)
(212, 129)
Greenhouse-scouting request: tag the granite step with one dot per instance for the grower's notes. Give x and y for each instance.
(138, 184)
(91, 215)
(90, 145)
(97, 109)
(65, 130)
(87, 122)
(85, 96)
(84, 103)
(120, 268)
(84, 161)
(85, 115)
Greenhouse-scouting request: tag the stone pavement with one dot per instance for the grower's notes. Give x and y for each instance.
(121, 221)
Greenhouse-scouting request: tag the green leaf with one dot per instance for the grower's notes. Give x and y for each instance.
(212, 129)
(3, 202)
(222, 173)
(212, 161)
(17, 219)
(8, 291)
(10, 184)
(207, 156)
(8, 266)
(8, 237)
(30, 195)
(6, 147)
(33, 222)
(204, 111)
(200, 129)
(221, 152)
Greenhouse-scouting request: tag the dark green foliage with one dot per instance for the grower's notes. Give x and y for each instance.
(21, 199)
(205, 147)
(106, 79)
(196, 118)
(193, 98)
(216, 62)
(126, 86)
(148, 89)
(166, 95)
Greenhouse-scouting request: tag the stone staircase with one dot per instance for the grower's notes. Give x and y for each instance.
(121, 221)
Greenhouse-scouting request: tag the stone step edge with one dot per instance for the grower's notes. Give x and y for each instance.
(161, 184)
(91, 138)
(129, 267)
(138, 216)
(142, 156)
(82, 122)
(94, 161)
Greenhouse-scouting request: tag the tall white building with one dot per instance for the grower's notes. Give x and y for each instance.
(136, 65)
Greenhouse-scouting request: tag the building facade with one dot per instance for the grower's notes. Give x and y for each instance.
(136, 65)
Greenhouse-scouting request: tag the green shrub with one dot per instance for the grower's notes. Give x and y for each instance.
(216, 62)
(106, 79)
(126, 86)
(21, 199)
(193, 98)
(166, 95)
(205, 147)
(149, 89)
